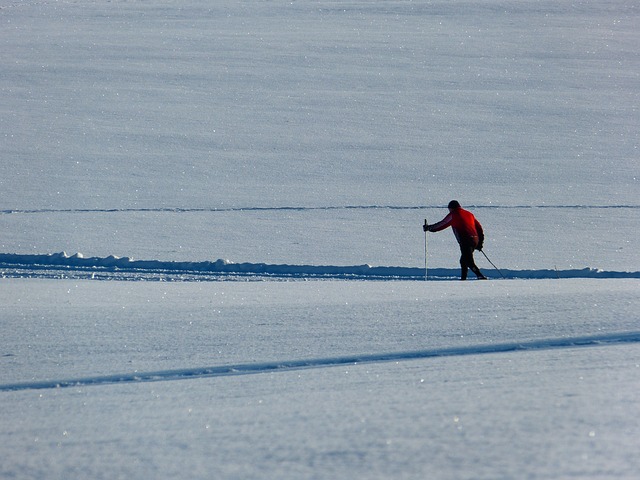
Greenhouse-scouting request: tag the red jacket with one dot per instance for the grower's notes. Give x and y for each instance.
(465, 226)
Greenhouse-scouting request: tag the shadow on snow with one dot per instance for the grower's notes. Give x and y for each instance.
(125, 268)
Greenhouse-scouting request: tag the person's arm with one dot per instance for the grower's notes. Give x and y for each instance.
(441, 225)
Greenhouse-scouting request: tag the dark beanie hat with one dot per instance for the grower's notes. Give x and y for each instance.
(453, 204)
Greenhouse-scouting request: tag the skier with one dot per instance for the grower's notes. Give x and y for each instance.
(468, 232)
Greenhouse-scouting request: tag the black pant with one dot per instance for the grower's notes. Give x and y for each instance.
(467, 246)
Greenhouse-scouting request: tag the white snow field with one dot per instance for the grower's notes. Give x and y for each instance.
(212, 257)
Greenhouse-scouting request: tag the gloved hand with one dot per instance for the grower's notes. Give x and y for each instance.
(479, 247)
(425, 227)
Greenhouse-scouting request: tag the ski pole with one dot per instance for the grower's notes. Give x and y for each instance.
(485, 256)
(426, 270)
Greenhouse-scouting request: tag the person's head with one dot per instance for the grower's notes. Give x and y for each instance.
(454, 205)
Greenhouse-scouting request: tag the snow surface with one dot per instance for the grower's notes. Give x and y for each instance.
(212, 257)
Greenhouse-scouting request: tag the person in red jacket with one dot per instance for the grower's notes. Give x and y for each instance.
(468, 232)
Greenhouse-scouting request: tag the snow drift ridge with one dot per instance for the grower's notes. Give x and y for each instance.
(125, 268)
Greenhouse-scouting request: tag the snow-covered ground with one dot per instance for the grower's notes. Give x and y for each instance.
(212, 248)
(376, 400)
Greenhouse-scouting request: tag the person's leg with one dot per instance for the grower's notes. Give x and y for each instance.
(465, 250)
(463, 268)
(476, 270)
(467, 261)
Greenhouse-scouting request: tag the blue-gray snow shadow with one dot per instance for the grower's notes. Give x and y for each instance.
(285, 366)
(125, 268)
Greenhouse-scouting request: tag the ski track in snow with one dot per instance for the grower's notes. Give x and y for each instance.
(299, 208)
(289, 365)
(59, 265)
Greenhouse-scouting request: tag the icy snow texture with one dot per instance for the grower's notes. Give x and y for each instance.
(318, 135)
